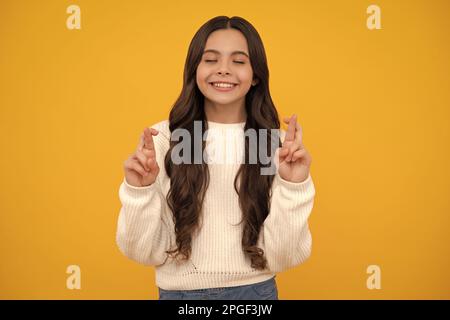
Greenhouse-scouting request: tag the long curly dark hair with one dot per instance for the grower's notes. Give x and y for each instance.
(189, 182)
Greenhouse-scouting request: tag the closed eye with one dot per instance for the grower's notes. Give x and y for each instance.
(240, 62)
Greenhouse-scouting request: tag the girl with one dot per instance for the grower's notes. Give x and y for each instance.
(214, 230)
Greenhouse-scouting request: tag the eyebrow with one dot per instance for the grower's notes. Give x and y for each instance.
(233, 53)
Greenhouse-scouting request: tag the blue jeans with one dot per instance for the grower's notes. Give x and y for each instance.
(266, 290)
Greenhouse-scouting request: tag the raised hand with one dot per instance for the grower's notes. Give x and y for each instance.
(141, 168)
(294, 159)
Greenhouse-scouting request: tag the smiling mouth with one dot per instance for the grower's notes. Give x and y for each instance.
(223, 86)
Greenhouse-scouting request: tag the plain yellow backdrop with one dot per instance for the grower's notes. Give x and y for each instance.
(374, 106)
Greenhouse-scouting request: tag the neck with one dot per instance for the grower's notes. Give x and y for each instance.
(225, 113)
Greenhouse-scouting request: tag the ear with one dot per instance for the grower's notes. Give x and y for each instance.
(255, 82)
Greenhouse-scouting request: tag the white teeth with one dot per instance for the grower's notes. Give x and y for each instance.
(223, 85)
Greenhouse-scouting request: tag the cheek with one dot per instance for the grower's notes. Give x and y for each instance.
(246, 76)
(201, 76)
(199, 73)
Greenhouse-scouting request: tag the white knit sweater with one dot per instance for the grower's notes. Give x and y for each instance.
(146, 230)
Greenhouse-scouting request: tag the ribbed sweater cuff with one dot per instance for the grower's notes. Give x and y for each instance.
(137, 192)
(303, 187)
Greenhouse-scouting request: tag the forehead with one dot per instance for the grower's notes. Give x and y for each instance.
(227, 40)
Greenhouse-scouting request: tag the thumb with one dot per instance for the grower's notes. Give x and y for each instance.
(152, 163)
(280, 155)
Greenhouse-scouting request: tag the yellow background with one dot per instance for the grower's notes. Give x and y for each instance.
(374, 106)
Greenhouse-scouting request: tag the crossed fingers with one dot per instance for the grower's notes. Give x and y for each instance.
(292, 148)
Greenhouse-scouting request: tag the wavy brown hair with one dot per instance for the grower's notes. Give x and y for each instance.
(189, 182)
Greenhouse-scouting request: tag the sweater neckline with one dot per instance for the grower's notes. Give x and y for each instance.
(213, 124)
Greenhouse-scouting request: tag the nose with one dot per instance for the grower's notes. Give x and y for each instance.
(223, 68)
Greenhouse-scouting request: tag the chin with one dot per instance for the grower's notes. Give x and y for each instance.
(223, 101)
